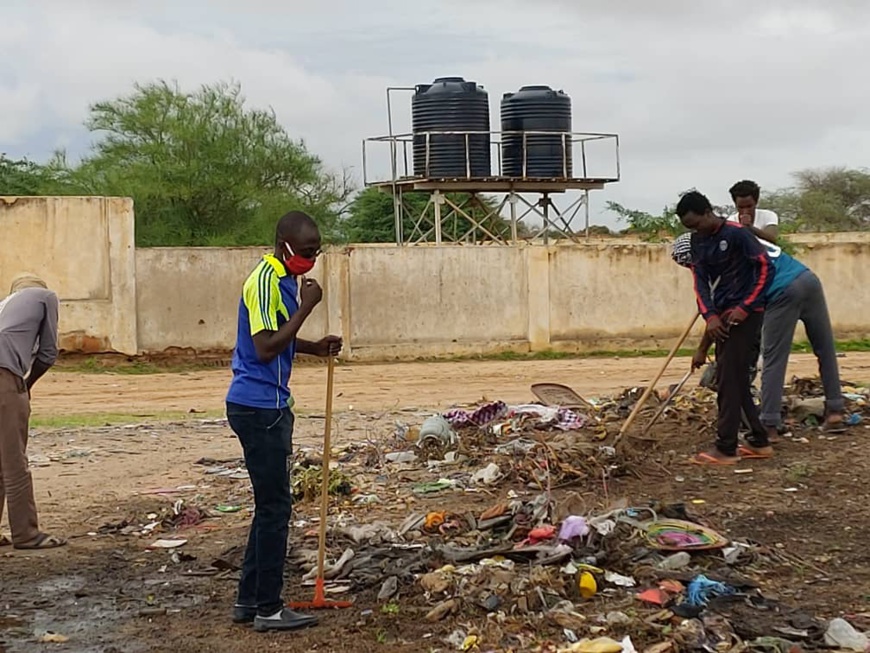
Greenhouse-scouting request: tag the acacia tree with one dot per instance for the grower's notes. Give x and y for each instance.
(827, 199)
(201, 167)
(655, 228)
(24, 177)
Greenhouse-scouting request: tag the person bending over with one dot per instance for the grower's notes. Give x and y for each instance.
(28, 349)
(733, 312)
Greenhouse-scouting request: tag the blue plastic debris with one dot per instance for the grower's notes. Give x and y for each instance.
(702, 589)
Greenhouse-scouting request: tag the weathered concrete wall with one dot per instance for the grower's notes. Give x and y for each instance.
(391, 302)
(189, 297)
(387, 302)
(83, 247)
(843, 265)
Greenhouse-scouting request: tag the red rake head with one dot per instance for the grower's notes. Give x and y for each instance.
(320, 602)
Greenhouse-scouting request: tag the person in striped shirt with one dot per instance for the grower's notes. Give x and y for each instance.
(733, 311)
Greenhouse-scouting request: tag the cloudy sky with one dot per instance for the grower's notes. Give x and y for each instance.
(701, 92)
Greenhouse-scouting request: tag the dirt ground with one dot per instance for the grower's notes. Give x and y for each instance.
(107, 593)
(376, 387)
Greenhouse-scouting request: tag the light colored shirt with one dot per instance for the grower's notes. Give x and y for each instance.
(763, 218)
(28, 330)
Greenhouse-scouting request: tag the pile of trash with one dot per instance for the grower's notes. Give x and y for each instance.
(539, 446)
(803, 405)
(652, 576)
(539, 560)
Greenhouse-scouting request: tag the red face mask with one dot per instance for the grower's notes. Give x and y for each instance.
(295, 264)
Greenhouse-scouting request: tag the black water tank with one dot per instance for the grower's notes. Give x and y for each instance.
(536, 108)
(450, 104)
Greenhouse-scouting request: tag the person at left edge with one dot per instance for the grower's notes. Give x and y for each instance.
(276, 300)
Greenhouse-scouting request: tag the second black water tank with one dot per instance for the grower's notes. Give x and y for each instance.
(451, 104)
(536, 109)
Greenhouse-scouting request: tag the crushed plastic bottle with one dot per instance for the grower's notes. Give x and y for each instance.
(676, 561)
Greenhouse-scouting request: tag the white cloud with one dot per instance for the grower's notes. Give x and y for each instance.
(700, 93)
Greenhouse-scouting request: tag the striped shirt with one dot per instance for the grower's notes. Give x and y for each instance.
(269, 298)
(741, 264)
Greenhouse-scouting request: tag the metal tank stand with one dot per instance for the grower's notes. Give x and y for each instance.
(520, 196)
(559, 221)
(432, 224)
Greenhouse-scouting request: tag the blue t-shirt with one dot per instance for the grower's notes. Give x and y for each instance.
(269, 298)
(787, 270)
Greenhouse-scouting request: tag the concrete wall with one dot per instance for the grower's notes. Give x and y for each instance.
(387, 302)
(83, 247)
(391, 302)
(188, 298)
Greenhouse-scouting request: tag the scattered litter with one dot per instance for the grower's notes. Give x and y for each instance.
(434, 486)
(573, 527)
(655, 596)
(598, 645)
(702, 589)
(619, 580)
(223, 508)
(587, 584)
(488, 475)
(401, 457)
(366, 499)
(437, 430)
(842, 634)
(542, 533)
(167, 544)
(676, 561)
(678, 535)
(458, 418)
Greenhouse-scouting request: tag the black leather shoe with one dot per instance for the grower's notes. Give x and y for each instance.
(244, 614)
(288, 620)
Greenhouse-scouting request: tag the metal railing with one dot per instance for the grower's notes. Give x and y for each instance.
(400, 143)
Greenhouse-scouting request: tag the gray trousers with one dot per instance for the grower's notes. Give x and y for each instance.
(803, 300)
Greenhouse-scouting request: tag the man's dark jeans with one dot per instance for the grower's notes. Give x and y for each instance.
(733, 358)
(266, 437)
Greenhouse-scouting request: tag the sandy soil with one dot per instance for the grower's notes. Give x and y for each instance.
(375, 387)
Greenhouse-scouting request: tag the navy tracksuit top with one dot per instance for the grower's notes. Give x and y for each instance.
(740, 263)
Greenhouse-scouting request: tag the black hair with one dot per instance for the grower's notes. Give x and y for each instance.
(294, 225)
(745, 188)
(693, 202)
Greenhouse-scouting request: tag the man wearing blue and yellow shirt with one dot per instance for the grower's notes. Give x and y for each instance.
(276, 301)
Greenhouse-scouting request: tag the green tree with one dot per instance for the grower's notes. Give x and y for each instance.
(828, 199)
(653, 228)
(24, 177)
(371, 217)
(201, 167)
